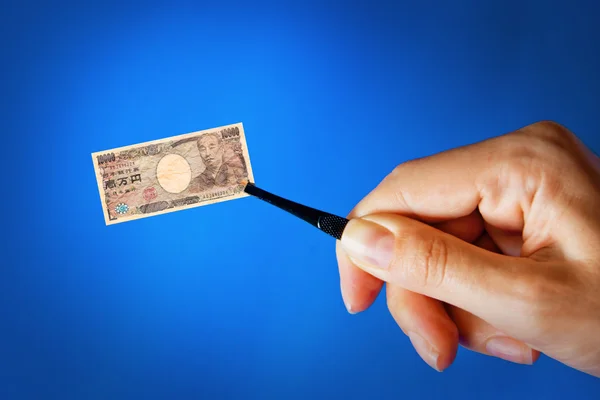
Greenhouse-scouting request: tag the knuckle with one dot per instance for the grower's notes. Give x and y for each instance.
(548, 134)
(532, 291)
(543, 295)
(536, 153)
(513, 149)
(402, 199)
(550, 129)
(392, 183)
(530, 295)
(394, 173)
(385, 188)
(400, 170)
(427, 264)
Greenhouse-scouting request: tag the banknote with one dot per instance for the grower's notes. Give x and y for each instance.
(172, 174)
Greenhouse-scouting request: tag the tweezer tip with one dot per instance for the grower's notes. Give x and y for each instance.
(245, 184)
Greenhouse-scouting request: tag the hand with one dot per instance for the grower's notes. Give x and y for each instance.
(495, 246)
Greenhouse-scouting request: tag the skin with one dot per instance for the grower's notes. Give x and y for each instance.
(493, 246)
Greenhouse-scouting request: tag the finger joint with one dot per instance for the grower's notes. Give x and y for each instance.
(428, 265)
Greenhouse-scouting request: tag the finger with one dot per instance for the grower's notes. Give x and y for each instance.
(425, 321)
(454, 183)
(509, 243)
(475, 333)
(425, 260)
(468, 228)
(432, 189)
(359, 289)
(479, 336)
(485, 242)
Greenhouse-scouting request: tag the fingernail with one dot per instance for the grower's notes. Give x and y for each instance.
(349, 308)
(345, 300)
(427, 352)
(369, 243)
(509, 350)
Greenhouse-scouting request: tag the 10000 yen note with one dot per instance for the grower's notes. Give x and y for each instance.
(173, 174)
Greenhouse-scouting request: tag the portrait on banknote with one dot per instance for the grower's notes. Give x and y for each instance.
(224, 163)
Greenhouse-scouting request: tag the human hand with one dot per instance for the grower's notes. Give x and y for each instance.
(495, 246)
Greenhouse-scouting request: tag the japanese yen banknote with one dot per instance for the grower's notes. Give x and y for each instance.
(173, 174)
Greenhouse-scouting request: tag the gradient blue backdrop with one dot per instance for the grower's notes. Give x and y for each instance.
(238, 300)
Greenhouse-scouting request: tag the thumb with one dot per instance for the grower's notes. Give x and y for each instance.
(428, 261)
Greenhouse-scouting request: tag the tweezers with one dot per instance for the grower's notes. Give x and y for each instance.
(331, 224)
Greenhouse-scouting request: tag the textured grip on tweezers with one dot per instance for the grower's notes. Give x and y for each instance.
(329, 223)
(332, 225)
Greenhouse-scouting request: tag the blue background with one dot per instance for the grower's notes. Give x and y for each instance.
(238, 300)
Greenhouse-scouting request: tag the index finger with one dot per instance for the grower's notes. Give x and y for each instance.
(433, 189)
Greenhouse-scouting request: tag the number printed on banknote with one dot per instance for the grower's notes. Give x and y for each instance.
(173, 174)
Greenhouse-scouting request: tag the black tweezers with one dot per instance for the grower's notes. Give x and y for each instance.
(329, 223)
